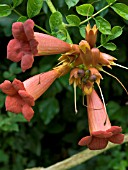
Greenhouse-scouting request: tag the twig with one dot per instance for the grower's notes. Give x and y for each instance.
(78, 158)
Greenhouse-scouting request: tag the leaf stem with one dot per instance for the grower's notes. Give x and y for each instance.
(18, 13)
(82, 22)
(37, 26)
(51, 6)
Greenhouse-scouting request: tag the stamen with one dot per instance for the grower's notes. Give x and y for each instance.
(75, 97)
(102, 97)
(84, 102)
(121, 66)
(116, 79)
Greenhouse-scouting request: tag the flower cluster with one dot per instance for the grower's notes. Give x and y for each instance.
(84, 62)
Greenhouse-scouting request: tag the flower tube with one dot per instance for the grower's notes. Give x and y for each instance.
(100, 127)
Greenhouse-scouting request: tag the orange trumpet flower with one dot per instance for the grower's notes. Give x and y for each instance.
(21, 96)
(100, 127)
(27, 44)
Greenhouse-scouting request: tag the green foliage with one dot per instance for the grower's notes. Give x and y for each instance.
(71, 3)
(85, 9)
(110, 46)
(34, 7)
(48, 109)
(121, 9)
(103, 25)
(110, 1)
(5, 10)
(55, 21)
(115, 33)
(22, 19)
(73, 20)
(17, 3)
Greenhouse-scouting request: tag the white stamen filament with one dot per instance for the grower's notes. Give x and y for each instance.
(75, 97)
(121, 66)
(102, 97)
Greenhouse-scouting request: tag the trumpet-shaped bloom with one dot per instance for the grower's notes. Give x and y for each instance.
(21, 96)
(91, 35)
(100, 127)
(27, 44)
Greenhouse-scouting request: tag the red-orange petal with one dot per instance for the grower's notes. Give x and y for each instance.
(102, 134)
(115, 129)
(28, 112)
(14, 50)
(85, 141)
(18, 85)
(98, 143)
(27, 61)
(28, 29)
(26, 97)
(7, 88)
(18, 31)
(14, 104)
(117, 139)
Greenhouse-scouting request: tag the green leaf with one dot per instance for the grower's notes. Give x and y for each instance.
(73, 20)
(103, 25)
(4, 157)
(14, 69)
(55, 21)
(103, 39)
(34, 7)
(61, 33)
(112, 107)
(82, 30)
(2, 99)
(48, 109)
(5, 10)
(17, 2)
(121, 9)
(71, 3)
(110, 1)
(22, 19)
(85, 9)
(116, 32)
(110, 46)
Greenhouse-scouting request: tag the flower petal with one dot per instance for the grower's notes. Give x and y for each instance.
(117, 139)
(27, 112)
(7, 88)
(27, 61)
(26, 97)
(18, 31)
(98, 143)
(28, 29)
(18, 85)
(102, 134)
(14, 50)
(14, 104)
(85, 141)
(115, 129)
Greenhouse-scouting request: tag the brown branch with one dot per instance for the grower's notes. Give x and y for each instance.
(78, 158)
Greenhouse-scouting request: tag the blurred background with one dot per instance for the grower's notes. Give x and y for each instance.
(53, 134)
